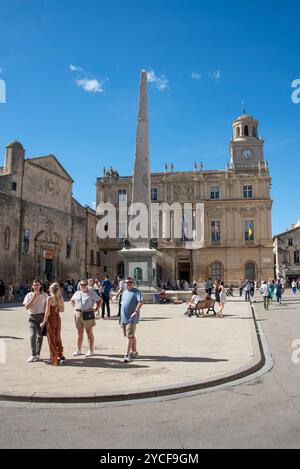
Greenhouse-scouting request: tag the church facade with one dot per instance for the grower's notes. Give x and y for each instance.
(237, 215)
(44, 232)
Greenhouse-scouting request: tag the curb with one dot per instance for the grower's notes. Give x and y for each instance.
(265, 361)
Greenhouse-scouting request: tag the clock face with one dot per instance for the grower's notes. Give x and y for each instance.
(248, 153)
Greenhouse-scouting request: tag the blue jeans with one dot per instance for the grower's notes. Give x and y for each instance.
(36, 338)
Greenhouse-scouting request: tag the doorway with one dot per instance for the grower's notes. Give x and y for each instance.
(184, 271)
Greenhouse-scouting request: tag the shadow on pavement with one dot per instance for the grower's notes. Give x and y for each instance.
(10, 337)
(164, 358)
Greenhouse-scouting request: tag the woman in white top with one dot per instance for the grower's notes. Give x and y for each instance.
(84, 302)
(192, 305)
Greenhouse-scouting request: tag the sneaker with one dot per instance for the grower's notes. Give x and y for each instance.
(77, 353)
(32, 359)
(134, 356)
(126, 358)
(62, 360)
(38, 358)
(90, 353)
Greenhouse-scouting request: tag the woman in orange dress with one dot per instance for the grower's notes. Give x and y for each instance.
(55, 305)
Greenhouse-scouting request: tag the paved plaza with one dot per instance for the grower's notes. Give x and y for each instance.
(176, 351)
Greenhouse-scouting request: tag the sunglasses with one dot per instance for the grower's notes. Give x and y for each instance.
(83, 284)
(128, 283)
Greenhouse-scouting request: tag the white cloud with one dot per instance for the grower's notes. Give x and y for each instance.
(216, 75)
(73, 68)
(91, 86)
(196, 76)
(161, 82)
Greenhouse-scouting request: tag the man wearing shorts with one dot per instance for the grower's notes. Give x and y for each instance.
(132, 302)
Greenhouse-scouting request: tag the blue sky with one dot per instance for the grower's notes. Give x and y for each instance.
(207, 57)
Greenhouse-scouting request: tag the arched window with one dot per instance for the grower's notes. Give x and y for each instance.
(250, 271)
(254, 132)
(238, 132)
(246, 130)
(216, 271)
(6, 243)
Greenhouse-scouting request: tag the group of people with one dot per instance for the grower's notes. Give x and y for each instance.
(9, 291)
(198, 299)
(44, 318)
(271, 289)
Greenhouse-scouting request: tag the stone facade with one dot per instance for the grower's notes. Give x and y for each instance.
(287, 253)
(237, 214)
(43, 229)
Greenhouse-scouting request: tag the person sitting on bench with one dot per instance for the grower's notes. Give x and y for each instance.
(192, 305)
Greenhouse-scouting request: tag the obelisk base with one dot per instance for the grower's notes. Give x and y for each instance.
(141, 265)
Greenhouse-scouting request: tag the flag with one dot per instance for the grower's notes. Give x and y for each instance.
(250, 231)
(184, 236)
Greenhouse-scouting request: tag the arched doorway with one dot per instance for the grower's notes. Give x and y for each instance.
(47, 246)
(250, 271)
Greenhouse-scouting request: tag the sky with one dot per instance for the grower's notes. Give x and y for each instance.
(71, 70)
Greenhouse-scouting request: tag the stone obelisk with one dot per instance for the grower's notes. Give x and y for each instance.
(140, 257)
(141, 187)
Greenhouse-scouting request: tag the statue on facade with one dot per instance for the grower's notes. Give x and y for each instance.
(152, 243)
(125, 243)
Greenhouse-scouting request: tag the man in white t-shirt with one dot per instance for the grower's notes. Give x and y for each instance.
(35, 302)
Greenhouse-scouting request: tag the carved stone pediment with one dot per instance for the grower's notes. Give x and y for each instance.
(183, 192)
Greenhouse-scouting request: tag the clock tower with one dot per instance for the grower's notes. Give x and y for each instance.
(246, 148)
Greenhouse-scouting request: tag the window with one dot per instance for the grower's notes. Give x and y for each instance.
(98, 258)
(69, 248)
(248, 192)
(92, 260)
(154, 195)
(249, 230)
(122, 195)
(250, 271)
(6, 238)
(216, 271)
(297, 257)
(105, 253)
(105, 269)
(14, 186)
(246, 130)
(238, 132)
(254, 132)
(215, 192)
(285, 257)
(291, 242)
(216, 230)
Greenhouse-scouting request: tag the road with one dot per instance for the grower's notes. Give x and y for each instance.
(264, 413)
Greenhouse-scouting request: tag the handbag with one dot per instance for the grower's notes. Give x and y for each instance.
(223, 297)
(88, 315)
(44, 330)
